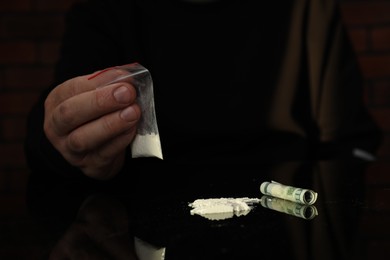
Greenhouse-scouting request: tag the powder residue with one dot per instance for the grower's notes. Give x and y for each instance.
(222, 208)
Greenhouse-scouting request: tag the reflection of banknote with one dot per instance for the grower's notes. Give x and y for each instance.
(289, 207)
(298, 195)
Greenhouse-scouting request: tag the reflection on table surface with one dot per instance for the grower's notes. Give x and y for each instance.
(148, 217)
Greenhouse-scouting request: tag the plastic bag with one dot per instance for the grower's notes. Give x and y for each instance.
(147, 140)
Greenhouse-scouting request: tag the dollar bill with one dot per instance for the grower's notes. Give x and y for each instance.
(298, 195)
(292, 208)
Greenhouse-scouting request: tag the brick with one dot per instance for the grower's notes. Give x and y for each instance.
(32, 26)
(31, 77)
(380, 93)
(379, 198)
(58, 5)
(12, 129)
(359, 39)
(374, 66)
(381, 116)
(367, 89)
(12, 52)
(381, 38)
(15, 5)
(13, 205)
(378, 249)
(14, 180)
(18, 179)
(48, 52)
(12, 155)
(17, 104)
(365, 13)
(1, 79)
(369, 92)
(384, 149)
(377, 173)
(372, 223)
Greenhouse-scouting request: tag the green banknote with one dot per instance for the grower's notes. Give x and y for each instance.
(298, 195)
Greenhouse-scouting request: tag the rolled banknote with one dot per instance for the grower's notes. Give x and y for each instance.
(289, 207)
(298, 195)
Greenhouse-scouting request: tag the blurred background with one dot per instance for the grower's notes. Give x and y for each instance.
(30, 34)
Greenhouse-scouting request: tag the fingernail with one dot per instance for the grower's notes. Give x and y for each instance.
(122, 95)
(128, 114)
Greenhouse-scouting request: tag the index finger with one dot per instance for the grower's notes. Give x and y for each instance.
(81, 84)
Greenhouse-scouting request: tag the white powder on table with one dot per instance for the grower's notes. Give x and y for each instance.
(222, 208)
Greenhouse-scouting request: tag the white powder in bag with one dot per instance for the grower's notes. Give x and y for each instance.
(146, 145)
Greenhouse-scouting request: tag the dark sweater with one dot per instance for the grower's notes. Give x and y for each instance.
(233, 80)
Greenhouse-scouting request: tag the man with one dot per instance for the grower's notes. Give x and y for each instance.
(233, 81)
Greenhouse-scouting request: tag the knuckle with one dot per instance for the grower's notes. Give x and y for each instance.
(138, 112)
(51, 130)
(74, 85)
(101, 99)
(133, 91)
(48, 102)
(76, 159)
(66, 114)
(47, 129)
(76, 144)
(103, 158)
(108, 125)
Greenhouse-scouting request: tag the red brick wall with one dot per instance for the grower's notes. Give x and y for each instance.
(368, 22)
(30, 31)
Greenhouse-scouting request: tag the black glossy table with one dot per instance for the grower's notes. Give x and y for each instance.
(149, 216)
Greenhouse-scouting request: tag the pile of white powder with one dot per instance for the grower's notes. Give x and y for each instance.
(222, 208)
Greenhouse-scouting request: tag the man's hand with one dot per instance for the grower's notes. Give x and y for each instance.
(91, 124)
